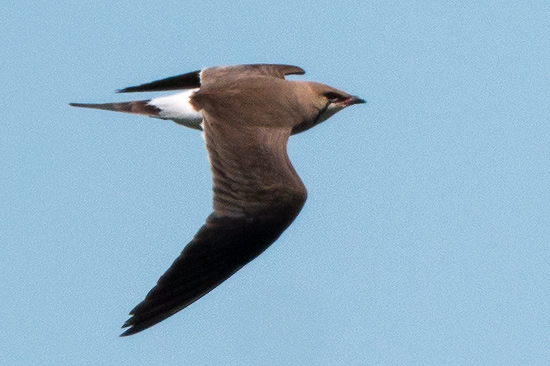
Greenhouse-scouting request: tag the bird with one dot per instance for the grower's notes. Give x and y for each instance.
(246, 114)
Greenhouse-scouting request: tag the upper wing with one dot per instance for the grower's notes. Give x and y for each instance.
(195, 79)
(257, 194)
(213, 74)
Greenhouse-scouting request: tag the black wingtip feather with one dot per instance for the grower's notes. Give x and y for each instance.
(190, 80)
(221, 247)
(129, 331)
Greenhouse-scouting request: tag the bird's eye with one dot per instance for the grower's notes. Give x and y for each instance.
(334, 97)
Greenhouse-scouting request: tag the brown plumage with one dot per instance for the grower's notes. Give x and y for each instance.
(248, 113)
(135, 107)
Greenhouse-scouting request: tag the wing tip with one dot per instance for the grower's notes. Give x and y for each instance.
(296, 70)
(130, 331)
(133, 328)
(130, 89)
(190, 80)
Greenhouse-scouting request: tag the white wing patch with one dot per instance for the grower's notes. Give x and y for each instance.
(177, 108)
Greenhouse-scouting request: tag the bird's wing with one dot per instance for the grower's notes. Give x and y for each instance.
(257, 194)
(214, 74)
(196, 79)
(190, 80)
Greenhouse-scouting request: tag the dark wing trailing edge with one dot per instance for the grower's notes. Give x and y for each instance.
(190, 80)
(219, 249)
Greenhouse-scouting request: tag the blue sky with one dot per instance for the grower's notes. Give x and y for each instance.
(425, 238)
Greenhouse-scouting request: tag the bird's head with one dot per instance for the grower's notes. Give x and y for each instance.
(325, 101)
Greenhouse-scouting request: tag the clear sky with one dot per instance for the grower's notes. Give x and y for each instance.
(426, 236)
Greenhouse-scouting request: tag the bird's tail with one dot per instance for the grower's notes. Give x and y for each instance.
(134, 107)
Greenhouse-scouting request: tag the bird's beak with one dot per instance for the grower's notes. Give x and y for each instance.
(355, 100)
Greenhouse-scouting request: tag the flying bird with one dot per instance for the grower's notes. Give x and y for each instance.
(246, 113)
